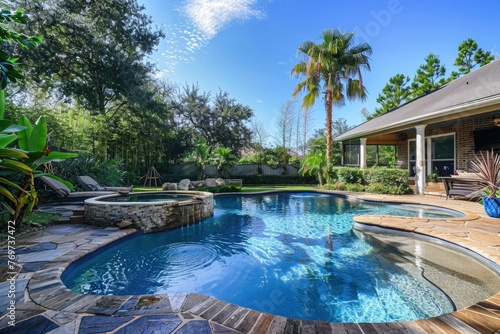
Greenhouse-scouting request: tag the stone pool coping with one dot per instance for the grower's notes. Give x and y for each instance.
(42, 299)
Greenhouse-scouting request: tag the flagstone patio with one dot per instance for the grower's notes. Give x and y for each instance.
(38, 301)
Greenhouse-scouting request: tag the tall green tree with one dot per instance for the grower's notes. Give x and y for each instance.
(394, 94)
(221, 121)
(429, 77)
(470, 56)
(9, 69)
(94, 51)
(332, 68)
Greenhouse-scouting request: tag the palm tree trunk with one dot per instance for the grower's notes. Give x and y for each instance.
(329, 138)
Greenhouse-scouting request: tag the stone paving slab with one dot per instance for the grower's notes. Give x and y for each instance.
(45, 305)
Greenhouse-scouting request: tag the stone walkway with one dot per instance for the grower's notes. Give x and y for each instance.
(38, 302)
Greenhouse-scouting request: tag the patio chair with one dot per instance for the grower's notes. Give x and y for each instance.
(91, 184)
(63, 192)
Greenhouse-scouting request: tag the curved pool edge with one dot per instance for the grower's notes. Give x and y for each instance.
(480, 234)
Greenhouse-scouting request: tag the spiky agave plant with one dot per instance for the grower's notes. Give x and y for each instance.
(487, 167)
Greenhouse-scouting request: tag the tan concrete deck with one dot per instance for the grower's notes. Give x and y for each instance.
(44, 305)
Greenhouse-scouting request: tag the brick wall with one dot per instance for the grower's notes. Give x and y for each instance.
(464, 140)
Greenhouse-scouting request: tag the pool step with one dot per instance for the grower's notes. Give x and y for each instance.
(80, 219)
(78, 212)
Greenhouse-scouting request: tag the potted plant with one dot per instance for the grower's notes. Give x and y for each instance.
(487, 167)
(433, 180)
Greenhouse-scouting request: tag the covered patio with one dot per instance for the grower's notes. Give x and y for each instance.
(439, 132)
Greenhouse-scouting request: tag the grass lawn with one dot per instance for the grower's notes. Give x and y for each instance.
(248, 189)
(32, 222)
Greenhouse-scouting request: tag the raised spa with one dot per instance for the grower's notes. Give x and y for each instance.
(150, 211)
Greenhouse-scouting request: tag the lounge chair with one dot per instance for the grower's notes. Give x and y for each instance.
(64, 192)
(93, 185)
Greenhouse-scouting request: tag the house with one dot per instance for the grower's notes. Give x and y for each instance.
(440, 131)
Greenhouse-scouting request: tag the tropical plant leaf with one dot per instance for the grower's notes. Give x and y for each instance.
(25, 134)
(7, 194)
(2, 103)
(4, 124)
(61, 155)
(12, 153)
(38, 138)
(6, 139)
(16, 166)
(10, 128)
(10, 183)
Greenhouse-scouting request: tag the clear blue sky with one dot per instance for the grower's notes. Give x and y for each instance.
(248, 47)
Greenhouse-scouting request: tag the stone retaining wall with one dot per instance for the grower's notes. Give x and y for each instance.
(150, 216)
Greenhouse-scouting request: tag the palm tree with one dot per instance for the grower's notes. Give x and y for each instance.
(315, 164)
(199, 156)
(225, 160)
(336, 64)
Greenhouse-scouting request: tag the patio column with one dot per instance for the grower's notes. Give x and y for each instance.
(362, 153)
(420, 162)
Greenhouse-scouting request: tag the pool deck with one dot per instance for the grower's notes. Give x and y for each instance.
(36, 301)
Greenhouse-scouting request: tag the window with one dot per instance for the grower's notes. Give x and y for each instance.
(380, 155)
(351, 154)
(440, 155)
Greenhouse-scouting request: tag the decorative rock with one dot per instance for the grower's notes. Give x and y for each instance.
(211, 183)
(184, 184)
(198, 183)
(220, 182)
(169, 186)
(125, 224)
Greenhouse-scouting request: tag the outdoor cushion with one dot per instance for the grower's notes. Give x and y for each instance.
(92, 184)
(64, 192)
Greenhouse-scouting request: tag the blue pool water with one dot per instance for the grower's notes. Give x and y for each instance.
(289, 254)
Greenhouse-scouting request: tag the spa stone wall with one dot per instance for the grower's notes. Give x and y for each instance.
(150, 217)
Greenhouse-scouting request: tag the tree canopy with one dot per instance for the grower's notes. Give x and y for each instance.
(94, 51)
(221, 121)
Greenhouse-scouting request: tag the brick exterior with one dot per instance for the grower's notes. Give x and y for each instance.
(464, 140)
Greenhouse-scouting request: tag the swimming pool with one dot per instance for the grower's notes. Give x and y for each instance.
(294, 255)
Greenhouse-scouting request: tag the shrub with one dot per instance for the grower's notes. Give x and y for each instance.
(109, 172)
(377, 188)
(379, 180)
(350, 175)
(275, 179)
(355, 187)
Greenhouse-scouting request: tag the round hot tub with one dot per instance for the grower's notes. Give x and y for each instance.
(150, 211)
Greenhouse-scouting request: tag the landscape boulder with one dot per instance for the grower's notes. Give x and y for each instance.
(185, 184)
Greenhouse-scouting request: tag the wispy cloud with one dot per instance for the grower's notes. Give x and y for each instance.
(211, 16)
(199, 22)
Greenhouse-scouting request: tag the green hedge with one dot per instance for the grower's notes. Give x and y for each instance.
(275, 179)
